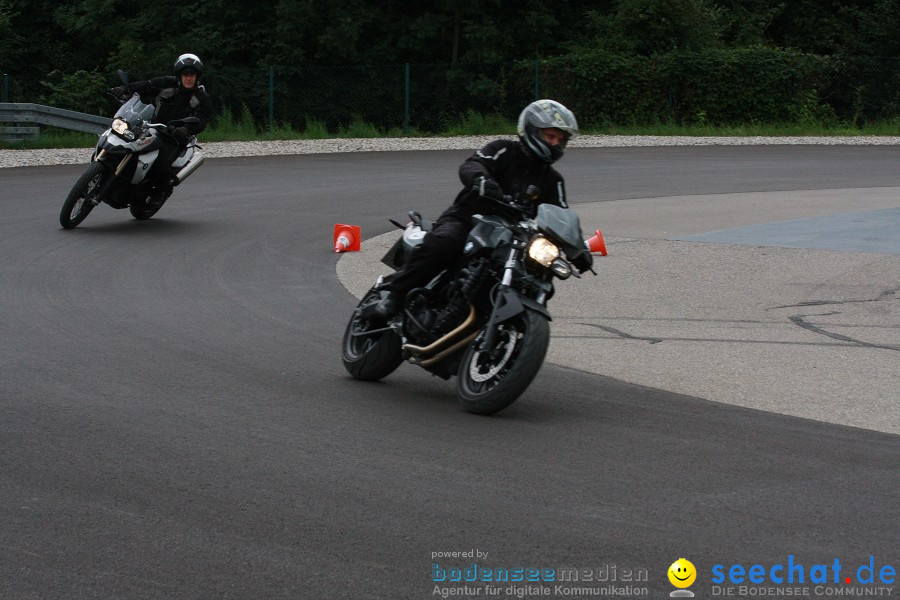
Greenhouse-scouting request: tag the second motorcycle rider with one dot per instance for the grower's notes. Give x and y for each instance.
(177, 96)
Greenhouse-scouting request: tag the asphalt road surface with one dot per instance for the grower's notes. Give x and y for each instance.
(176, 421)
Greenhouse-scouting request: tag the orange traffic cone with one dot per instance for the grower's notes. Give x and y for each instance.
(596, 244)
(346, 238)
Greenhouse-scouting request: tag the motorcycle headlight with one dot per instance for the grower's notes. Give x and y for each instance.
(542, 251)
(121, 127)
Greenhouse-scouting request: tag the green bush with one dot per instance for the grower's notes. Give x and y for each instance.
(80, 91)
(718, 87)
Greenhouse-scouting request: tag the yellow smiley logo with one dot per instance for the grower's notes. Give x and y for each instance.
(682, 573)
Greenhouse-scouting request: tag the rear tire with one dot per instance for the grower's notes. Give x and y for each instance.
(143, 210)
(487, 385)
(79, 203)
(369, 357)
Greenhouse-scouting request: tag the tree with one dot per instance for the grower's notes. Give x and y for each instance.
(647, 27)
(11, 43)
(878, 31)
(748, 23)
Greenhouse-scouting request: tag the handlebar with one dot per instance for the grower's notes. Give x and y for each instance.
(515, 202)
(120, 99)
(511, 202)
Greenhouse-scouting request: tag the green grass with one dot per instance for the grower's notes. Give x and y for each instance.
(473, 123)
(767, 130)
(228, 128)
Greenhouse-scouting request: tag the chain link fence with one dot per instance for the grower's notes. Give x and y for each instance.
(433, 97)
(430, 98)
(402, 97)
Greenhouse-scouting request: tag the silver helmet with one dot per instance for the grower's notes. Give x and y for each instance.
(543, 114)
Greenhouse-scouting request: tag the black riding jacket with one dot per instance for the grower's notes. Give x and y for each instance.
(175, 102)
(507, 162)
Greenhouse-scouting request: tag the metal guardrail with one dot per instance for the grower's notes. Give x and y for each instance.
(12, 112)
(15, 134)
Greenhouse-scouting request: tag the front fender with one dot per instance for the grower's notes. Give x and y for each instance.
(510, 303)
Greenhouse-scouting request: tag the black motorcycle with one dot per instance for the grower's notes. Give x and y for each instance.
(484, 319)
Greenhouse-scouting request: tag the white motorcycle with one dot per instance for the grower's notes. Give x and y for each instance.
(119, 173)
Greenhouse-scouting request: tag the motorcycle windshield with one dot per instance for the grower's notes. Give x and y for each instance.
(134, 112)
(560, 225)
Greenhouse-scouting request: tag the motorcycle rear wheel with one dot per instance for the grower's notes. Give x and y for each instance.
(491, 381)
(79, 202)
(143, 209)
(369, 357)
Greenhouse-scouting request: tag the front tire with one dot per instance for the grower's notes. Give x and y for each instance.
(492, 380)
(80, 201)
(369, 357)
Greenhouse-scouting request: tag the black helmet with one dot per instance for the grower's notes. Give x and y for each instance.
(543, 114)
(188, 61)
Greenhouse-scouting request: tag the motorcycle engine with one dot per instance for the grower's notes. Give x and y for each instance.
(429, 318)
(421, 316)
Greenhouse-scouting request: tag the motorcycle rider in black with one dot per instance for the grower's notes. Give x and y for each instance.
(500, 167)
(177, 96)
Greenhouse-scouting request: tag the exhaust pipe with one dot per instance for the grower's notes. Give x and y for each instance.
(415, 353)
(189, 168)
(441, 355)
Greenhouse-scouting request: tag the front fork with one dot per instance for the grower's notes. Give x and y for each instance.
(508, 302)
(504, 302)
(110, 181)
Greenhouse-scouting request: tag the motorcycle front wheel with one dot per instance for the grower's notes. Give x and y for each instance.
(369, 356)
(79, 203)
(493, 378)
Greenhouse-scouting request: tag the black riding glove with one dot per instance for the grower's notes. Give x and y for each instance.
(583, 262)
(181, 134)
(120, 91)
(488, 188)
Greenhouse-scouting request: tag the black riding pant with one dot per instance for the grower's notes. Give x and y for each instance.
(162, 168)
(440, 248)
